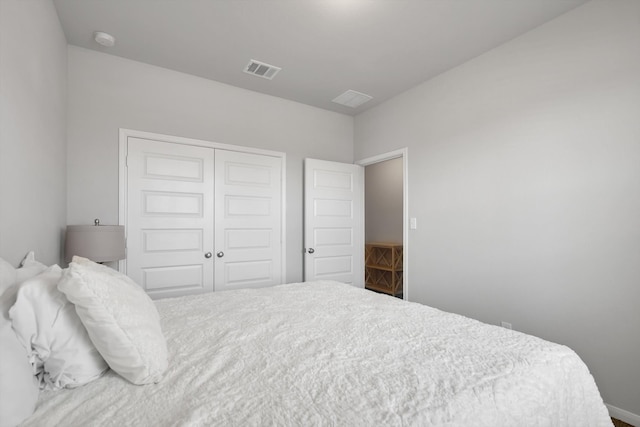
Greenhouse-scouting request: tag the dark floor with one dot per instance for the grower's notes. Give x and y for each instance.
(619, 423)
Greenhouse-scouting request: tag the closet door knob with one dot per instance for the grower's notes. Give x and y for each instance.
(311, 250)
(220, 254)
(208, 255)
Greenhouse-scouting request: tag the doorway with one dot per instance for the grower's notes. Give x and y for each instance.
(386, 236)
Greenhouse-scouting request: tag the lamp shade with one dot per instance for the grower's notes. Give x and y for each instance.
(99, 243)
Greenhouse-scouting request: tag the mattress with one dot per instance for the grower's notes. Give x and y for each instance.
(325, 353)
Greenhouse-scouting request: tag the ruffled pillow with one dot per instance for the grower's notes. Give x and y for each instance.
(58, 346)
(120, 318)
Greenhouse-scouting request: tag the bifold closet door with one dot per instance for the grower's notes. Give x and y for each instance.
(248, 220)
(170, 232)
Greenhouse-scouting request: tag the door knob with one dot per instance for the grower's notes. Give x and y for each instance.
(207, 255)
(311, 250)
(220, 254)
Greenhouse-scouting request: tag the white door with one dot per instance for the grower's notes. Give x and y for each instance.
(170, 217)
(334, 222)
(248, 214)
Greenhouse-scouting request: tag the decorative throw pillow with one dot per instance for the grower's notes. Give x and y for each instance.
(18, 386)
(46, 323)
(120, 318)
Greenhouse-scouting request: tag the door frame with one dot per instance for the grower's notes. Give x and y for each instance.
(404, 154)
(123, 136)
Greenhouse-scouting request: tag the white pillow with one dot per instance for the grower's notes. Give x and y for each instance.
(29, 267)
(46, 323)
(121, 319)
(10, 276)
(18, 387)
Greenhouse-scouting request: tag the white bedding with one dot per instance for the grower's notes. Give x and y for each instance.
(325, 353)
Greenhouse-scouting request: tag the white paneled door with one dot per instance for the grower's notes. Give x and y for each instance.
(200, 218)
(170, 199)
(334, 221)
(248, 209)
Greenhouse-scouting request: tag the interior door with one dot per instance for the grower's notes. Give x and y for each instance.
(334, 221)
(248, 210)
(170, 217)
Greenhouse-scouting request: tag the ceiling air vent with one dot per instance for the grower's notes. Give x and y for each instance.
(352, 99)
(261, 69)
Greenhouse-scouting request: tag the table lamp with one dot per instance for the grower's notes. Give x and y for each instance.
(99, 243)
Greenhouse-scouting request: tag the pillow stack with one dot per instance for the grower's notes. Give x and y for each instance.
(65, 328)
(57, 344)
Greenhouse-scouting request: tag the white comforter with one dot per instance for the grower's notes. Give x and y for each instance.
(325, 353)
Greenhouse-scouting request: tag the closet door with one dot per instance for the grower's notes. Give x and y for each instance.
(170, 220)
(248, 220)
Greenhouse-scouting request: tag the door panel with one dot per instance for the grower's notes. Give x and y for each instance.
(163, 240)
(165, 204)
(242, 274)
(177, 279)
(174, 168)
(248, 220)
(334, 242)
(249, 238)
(333, 237)
(169, 217)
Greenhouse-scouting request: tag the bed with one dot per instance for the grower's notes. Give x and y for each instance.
(326, 353)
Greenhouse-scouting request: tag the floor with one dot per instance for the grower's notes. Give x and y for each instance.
(619, 423)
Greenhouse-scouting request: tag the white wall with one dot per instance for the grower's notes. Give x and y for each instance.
(524, 174)
(33, 72)
(107, 93)
(383, 201)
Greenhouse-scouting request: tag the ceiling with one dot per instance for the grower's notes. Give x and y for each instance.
(324, 47)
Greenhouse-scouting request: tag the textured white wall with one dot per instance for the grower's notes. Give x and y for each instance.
(107, 93)
(33, 77)
(383, 201)
(524, 174)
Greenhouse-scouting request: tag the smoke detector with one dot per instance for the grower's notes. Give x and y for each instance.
(261, 69)
(352, 99)
(104, 39)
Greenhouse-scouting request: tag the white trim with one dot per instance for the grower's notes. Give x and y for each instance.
(622, 415)
(382, 157)
(404, 154)
(198, 142)
(359, 279)
(124, 135)
(283, 212)
(122, 191)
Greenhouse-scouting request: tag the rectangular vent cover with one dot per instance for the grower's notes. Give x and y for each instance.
(352, 99)
(261, 69)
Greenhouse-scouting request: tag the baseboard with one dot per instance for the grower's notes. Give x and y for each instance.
(622, 415)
